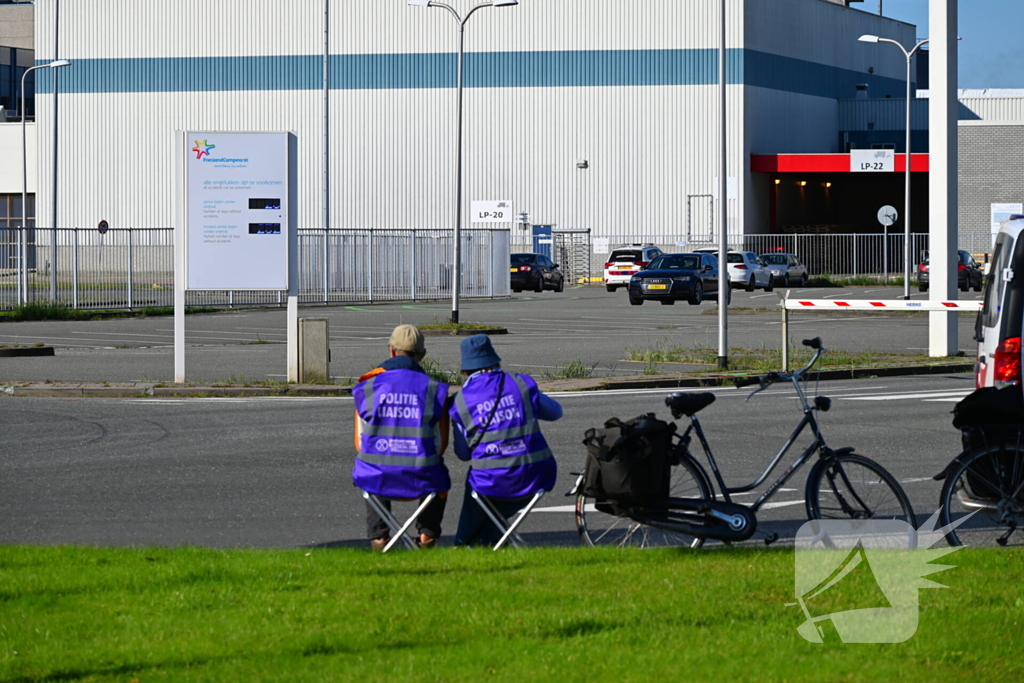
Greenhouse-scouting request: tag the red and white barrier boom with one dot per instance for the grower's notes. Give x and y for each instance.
(887, 305)
(839, 305)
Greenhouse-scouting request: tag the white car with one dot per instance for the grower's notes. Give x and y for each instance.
(626, 261)
(746, 269)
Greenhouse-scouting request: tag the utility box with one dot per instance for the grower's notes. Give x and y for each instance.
(314, 351)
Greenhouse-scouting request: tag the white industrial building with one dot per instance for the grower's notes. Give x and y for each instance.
(588, 114)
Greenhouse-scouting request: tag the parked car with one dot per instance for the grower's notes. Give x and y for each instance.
(625, 261)
(998, 327)
(677, 277)
(746, 269)
(968, 273)
(536, 272)
(786, 268)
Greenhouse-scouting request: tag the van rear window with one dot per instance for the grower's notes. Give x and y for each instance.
(625, 255)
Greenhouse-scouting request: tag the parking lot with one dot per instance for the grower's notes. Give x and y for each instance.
(545, 333)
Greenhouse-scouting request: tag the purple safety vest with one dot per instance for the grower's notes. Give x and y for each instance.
(512, 459)
(399, 447)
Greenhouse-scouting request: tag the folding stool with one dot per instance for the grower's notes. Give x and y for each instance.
(398, 531)
(508, 530)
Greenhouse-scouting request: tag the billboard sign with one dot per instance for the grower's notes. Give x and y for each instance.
(236, 210)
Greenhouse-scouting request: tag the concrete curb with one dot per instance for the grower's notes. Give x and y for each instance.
(463, 333)
(726, 378)
(151, 389)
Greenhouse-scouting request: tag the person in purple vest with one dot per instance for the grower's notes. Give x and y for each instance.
(400, 436)
(497, 430)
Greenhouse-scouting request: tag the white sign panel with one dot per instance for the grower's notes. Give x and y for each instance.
(601, 245)
(1002, 212)
(236, 213)
(872, 161)
(887, 216)
(492, 212)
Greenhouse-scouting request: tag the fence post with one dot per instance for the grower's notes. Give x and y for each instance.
(326, 266)
(53, 262)
(855, 254)
(785, 331)
(131, 270)
(369, 265)
(74, 268)
(412, 257)
(490, 251)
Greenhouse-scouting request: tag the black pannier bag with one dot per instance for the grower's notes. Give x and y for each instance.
(629, 462)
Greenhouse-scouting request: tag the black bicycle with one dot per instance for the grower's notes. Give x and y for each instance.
(982, 498)
(841, 484)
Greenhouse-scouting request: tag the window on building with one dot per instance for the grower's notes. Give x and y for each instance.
(10, 211)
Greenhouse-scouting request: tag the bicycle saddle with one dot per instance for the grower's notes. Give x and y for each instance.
(683, 403)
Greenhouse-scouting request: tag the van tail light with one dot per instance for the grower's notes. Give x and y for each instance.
(961, 267)
(923, 267)
(609, 264)
(1006, 364)
(642, 263)
(739, 266)
(525, 269)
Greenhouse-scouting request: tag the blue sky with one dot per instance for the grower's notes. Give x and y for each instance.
(991, 52)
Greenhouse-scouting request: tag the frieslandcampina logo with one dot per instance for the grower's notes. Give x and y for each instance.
(858, 580)
(203, 148)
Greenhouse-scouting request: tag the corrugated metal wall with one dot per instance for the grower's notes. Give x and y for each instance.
(891, 114)
(629, 88)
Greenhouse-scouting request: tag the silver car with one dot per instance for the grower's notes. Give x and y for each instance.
(786, 268)
(745, 270)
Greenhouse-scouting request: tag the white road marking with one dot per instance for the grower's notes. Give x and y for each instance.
(781, 504)
(914, 480)
(900, 397)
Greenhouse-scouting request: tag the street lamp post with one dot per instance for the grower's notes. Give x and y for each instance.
(906, 208)
(23, 286)
(457, 236)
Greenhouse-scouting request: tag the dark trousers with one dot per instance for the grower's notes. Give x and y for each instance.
(476, 528)
(429, 521)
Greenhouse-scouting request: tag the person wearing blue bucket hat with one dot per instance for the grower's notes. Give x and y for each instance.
(496, 417)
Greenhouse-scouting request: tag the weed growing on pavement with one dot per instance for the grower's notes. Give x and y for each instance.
(576, 369)
(767, 359)
(650, 368)
(830, 280)
(433, 368)
(49, 310)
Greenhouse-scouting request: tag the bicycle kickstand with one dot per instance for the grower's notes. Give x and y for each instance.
(768, 538)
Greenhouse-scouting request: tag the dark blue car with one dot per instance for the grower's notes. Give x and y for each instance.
(677, 277)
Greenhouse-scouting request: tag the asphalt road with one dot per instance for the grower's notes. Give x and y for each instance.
(265, 472)
(546, 332)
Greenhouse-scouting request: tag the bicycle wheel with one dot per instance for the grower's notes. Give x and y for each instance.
(854, 487)
(599, 525)
(988, 482)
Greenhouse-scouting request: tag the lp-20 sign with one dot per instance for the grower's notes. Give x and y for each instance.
(492, 212)
(872, 161)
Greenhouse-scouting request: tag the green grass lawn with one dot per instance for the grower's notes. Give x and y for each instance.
(155, 614)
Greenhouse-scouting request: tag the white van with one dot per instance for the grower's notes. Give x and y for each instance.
(998, 327)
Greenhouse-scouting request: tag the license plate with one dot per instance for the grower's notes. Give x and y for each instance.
(513, 270)
(657, 286)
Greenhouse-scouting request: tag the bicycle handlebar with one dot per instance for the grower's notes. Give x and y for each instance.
(813, 343)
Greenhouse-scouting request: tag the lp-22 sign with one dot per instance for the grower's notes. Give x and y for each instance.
(872, 161)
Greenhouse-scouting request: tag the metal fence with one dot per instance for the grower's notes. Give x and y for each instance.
(846, 255)
(134, 267)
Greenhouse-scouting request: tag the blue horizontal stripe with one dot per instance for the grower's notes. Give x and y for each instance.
(565, 69)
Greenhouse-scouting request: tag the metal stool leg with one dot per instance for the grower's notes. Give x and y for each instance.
(398, 532)
(509, 530)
